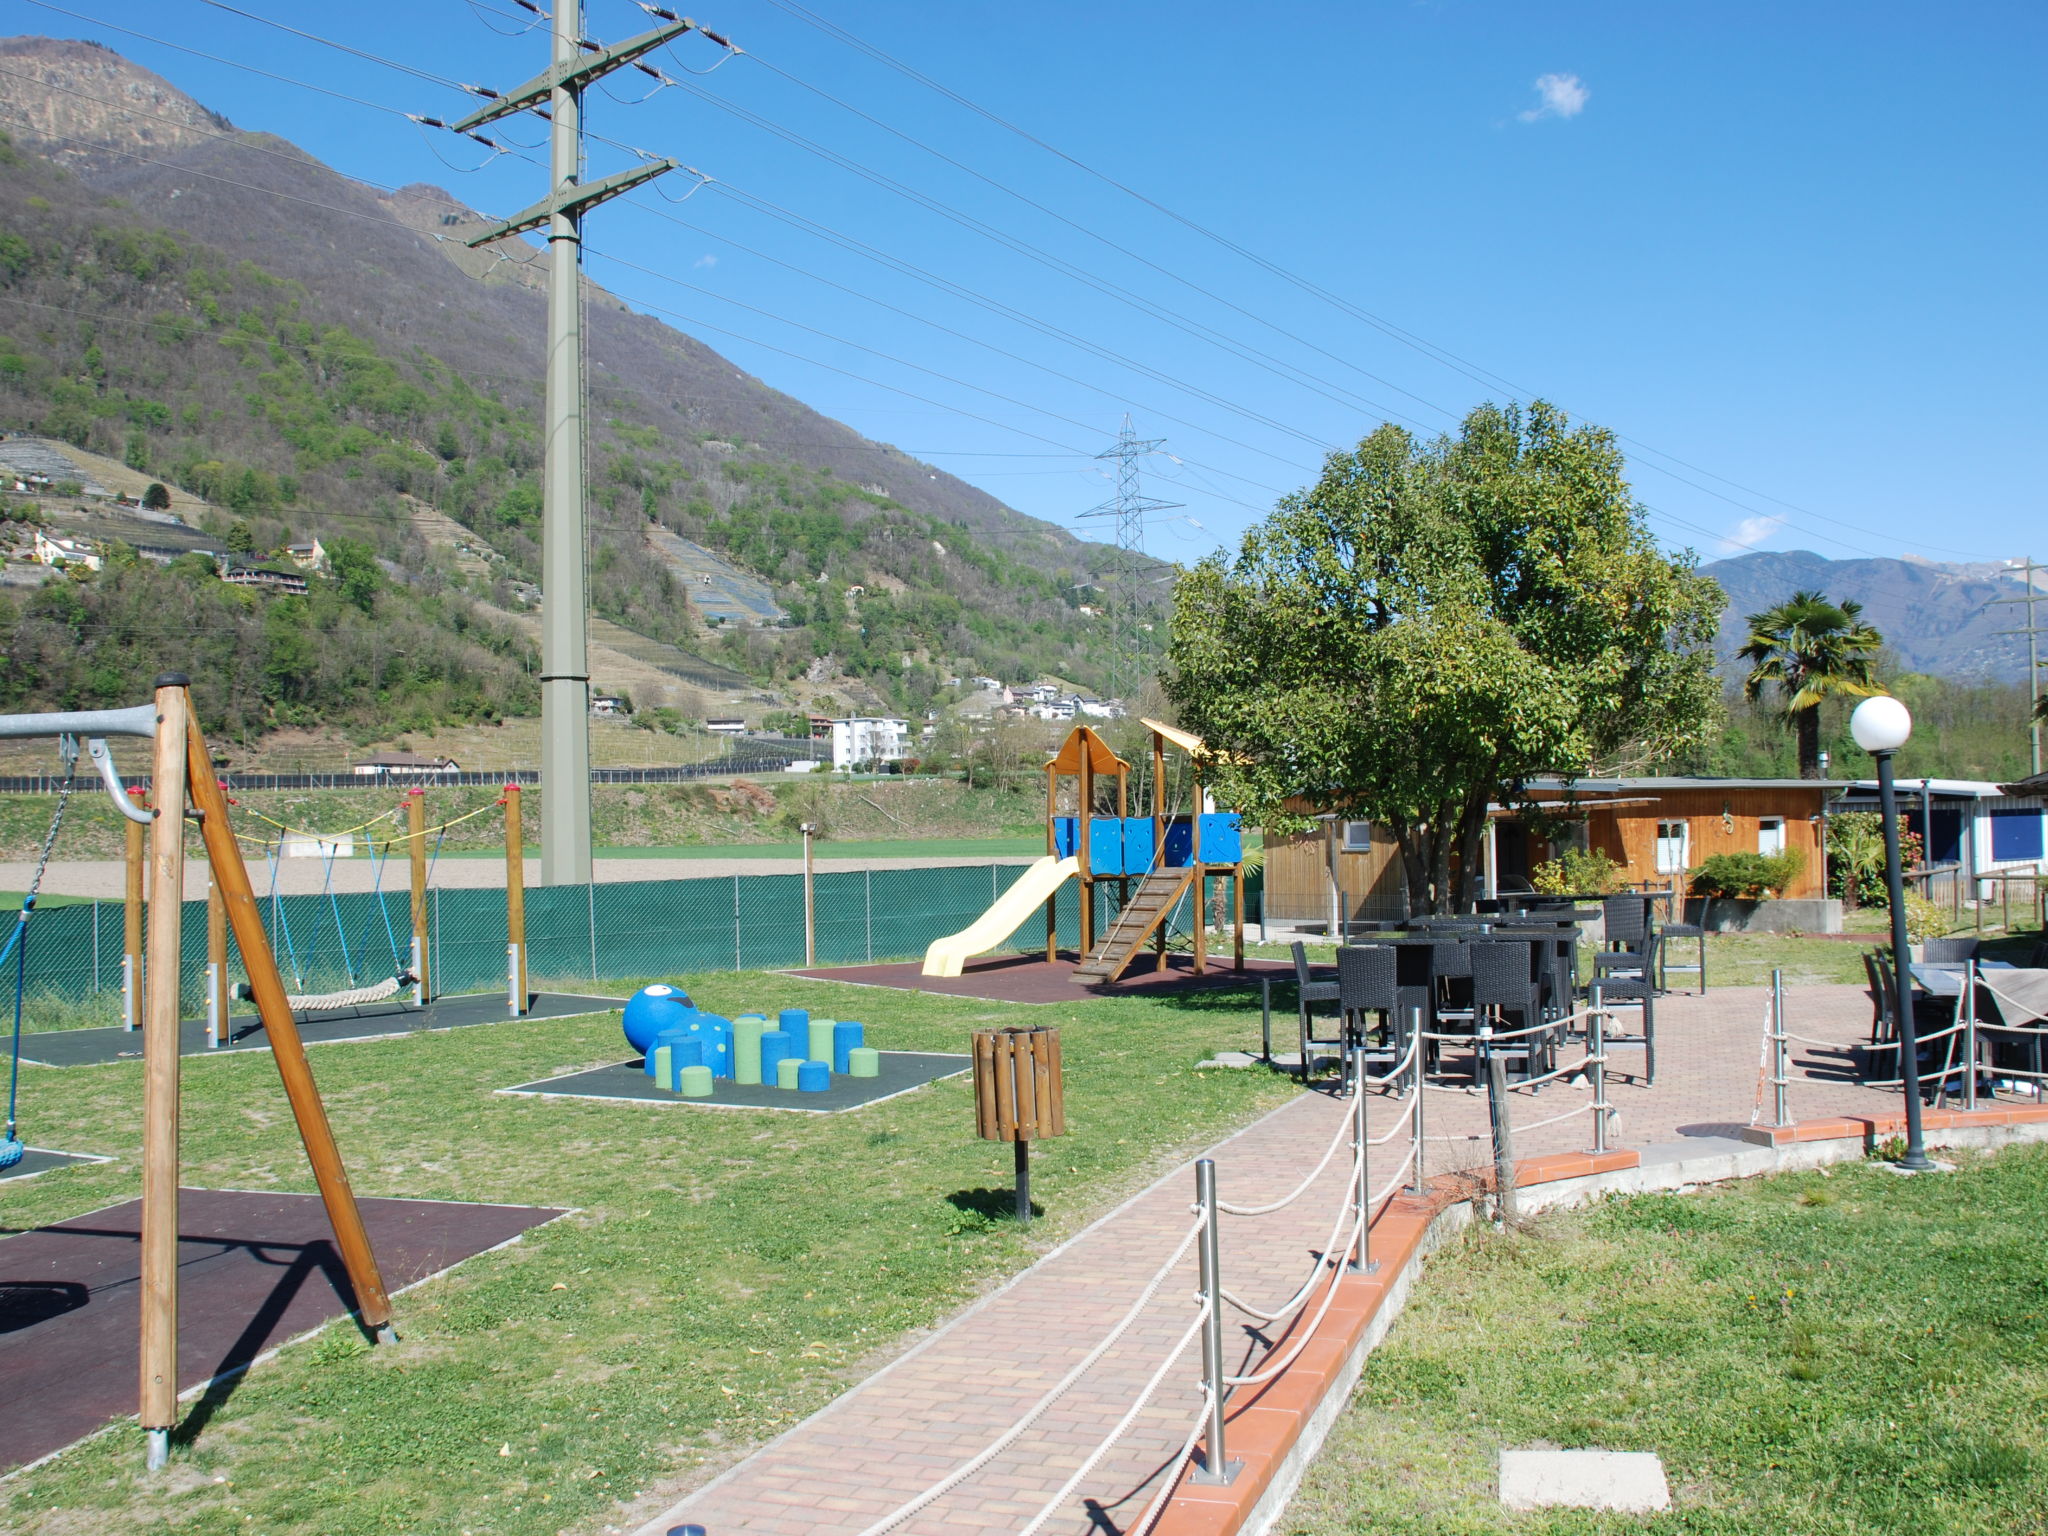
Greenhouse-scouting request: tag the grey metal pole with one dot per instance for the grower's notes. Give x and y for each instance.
(1781, 1054)
(1596, 1039)
(1503, 1131)
(1916, 1158)
(564, 658)
(1363, 1262)
(1420, 1079)
(1266, 1020)
(1219, 1468)
(1969, 1034)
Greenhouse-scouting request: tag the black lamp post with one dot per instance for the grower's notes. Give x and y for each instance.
(1881, 726)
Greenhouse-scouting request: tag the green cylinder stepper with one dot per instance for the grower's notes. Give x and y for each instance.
(819, 1043)
(863, 1061)
(664, 1068)
(746, 1047)
(694, 1082)
(785, 1073)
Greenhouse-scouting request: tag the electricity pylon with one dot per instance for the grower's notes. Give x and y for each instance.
(1128, 507)
(564, 649)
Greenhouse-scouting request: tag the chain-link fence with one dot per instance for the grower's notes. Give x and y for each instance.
(575, 934)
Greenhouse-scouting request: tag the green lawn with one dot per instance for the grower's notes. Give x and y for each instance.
(1847, 1355)
(725, 1273)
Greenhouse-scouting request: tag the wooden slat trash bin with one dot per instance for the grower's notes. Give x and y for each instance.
(1019, 1096)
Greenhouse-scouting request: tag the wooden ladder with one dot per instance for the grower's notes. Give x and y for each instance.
(1150, 907)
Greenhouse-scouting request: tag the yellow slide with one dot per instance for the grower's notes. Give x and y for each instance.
(945, 956)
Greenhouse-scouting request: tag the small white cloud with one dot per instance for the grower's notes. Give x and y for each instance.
(1562, 96)
(705, 261)
(1750, 532)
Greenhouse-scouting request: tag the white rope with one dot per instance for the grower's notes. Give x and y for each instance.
(1345, 1213)
(1067, 1488)
(1173, 1470)
(1555, 1072)
(1300, 1189)
(376, 992)
(1300, 1344)
(1394, 1183)
(1498, 1034)
(1394, 1130)
(1537, 1125)
(1399, 1068)
(1002, 1442)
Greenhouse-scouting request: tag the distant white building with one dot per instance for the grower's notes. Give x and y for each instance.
(400, 764)
(605, 705)
(869, 739)
(984, 683)
(1102, 709)
(309, 556)
(55, 549)
(726, 726)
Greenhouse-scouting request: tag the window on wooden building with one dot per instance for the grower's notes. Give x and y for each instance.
(1770, 835)
(1674, 847)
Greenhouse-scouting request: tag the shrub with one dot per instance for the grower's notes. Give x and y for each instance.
(1747, 876)
(1577, 872)
(1855, 841)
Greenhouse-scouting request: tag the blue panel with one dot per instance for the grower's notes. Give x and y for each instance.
(1222, 839)
(1105, 846)
(1180, 842)
(1137, 844)
(1063, 840)
(2015, 833)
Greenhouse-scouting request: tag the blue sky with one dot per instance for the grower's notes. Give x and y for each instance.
(1790, 253)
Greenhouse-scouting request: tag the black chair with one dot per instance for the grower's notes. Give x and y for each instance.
(1366, 984)
(1630, 946)
(1306, 992)
(1504, 992)
(1677, 928)
(1640, 993)
(1949, 951)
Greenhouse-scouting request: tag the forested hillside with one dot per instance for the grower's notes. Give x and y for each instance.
(211, 313)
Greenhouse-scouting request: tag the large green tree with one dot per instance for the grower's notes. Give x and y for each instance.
(1432, 624)
(1809, 649)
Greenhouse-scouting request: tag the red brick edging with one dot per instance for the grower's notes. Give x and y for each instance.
(1266, 1429)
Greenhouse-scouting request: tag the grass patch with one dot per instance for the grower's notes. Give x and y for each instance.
(727, 1274)
(1854, 1355)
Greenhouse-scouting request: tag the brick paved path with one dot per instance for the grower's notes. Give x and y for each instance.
(934, 1408)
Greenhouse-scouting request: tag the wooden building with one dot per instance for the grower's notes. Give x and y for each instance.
(1657, 830)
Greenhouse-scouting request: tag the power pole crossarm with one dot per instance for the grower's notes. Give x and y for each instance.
(573, 74)
(574, 199)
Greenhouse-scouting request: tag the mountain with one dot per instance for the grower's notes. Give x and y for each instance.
(310, 355)
(1938, 619)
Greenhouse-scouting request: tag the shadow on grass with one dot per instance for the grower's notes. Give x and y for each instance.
(982, 1208)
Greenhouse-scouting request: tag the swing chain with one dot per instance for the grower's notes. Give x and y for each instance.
(10, 1144)
(68, 747)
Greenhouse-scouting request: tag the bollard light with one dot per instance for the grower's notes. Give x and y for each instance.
(1882, 725)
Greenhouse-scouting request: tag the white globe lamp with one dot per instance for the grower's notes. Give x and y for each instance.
(1881, 724)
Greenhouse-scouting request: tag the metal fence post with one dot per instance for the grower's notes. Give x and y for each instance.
(590, 916)
(1361, 1194)
(1503, 1131)
(1596, 1038)
(1415, 1130)
(868, 888)
(736, 922)
(1781, 1054)
(1218, 1468)
(1969, 1034)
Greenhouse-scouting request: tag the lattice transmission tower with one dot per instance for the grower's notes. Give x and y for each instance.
(1126, 608)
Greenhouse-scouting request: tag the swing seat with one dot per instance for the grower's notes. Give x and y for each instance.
(11, 1151)
(354, 997)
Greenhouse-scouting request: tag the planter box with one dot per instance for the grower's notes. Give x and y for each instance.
(1727, 914)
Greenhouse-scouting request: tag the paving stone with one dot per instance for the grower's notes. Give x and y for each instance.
(1629, 1481)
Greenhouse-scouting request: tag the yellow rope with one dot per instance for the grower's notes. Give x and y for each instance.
(328, 837)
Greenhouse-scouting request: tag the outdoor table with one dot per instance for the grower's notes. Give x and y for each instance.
(1944, 978)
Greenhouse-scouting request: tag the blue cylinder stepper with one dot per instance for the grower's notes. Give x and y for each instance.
(846, 1036)
(685, 1049)
(786, 1071)
(863, 1061)
(651, 1010)
(795, 1020)
(813, 1077)
(777, 1045)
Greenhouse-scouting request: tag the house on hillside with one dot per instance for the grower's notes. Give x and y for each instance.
(55, 549)
(1979, 828)
(309, 556)
(862, 739)
(269, 578)
(606, 706)
(728, 725)
(1658, 830)
(403, 764)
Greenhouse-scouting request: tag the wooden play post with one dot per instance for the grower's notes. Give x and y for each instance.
(373, 1305)
(159, 1296)
(515, 900)
(1201, 871)
(131, 926)
(416, 841)
(1086, 810)
(1052, 916)
(1019, 1094)
(1159, 835)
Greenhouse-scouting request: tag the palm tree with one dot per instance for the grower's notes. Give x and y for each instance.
(1810, 649)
